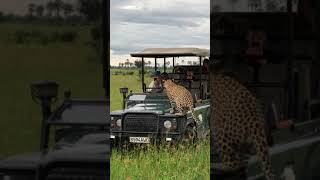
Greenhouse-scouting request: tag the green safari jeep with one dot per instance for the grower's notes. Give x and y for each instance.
(147, 116)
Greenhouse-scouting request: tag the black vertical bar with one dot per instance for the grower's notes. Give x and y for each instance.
(123, 101)
(164, 64)
(142, 74)
(173, 62)
(295, 94)
(106, 62)
(106, 46)
(290, 86)
(155, 64)
(200, 88)
(46, 112)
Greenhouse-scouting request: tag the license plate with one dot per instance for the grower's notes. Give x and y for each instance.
(139, 139)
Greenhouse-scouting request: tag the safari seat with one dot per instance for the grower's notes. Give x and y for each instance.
(194, 86)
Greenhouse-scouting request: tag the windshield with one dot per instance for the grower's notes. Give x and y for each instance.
(152, 99)
(252, 5)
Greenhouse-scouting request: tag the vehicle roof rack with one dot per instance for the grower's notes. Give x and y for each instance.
(171, 52)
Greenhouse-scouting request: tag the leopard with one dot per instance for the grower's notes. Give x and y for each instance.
(181, 96)
(236, 119)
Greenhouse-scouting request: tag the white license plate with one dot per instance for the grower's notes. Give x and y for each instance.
(139, 139)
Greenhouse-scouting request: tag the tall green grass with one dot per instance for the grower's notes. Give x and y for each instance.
(182, 162)
(132, 82)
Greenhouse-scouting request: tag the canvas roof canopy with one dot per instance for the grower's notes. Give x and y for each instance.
(171, 52)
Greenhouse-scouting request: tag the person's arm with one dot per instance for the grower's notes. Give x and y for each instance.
(151, 85)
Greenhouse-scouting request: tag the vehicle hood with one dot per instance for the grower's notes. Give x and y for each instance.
(143, 107)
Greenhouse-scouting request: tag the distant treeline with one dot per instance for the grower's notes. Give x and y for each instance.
(59, 10)
(40, 37)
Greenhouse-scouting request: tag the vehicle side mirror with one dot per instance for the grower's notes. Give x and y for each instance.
(43, 92)
(124, 90)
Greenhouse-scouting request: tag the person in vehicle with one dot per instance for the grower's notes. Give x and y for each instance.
(155, 85)
(164, 76)
(205, 70)
(205, 66)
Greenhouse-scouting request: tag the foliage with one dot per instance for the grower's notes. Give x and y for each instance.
(120, 72)
(120, 78)
(39, 10)
(91, 9)
(138, 64)
(68, 36)
(31, 9)
(184, 162)
(36, 36)
(271, 5)
(50, 8)
(57, 6)
(67, 9)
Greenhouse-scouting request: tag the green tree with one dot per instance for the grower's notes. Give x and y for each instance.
(233, 2)
(91, 9)
(31, 9)
(271, 5)
(50, 8)
(39, 10)
(254, 5)
(138, 64)
(67, 9)
(127, 63)
(57, 4)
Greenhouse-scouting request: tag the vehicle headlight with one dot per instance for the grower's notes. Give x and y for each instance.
(118, 122)
(167, 124)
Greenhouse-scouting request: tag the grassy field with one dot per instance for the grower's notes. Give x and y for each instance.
(166, 163)
(67, 63)
(132, 82)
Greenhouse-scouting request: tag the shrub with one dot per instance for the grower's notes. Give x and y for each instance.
(68, 36)
(130, 73)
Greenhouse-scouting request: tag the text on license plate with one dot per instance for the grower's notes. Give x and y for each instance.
(140, 139)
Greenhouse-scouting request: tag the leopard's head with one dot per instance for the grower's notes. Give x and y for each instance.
(167, 83)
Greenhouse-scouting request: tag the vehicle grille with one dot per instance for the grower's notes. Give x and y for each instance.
(140, 122)
(77, 174)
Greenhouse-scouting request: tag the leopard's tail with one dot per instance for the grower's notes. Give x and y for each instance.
(261, 146)
(195, 118)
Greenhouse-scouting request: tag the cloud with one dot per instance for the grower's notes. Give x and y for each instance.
(175, 13)
(140, 24)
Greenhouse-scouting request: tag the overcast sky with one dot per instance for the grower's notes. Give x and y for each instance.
(139, 24)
